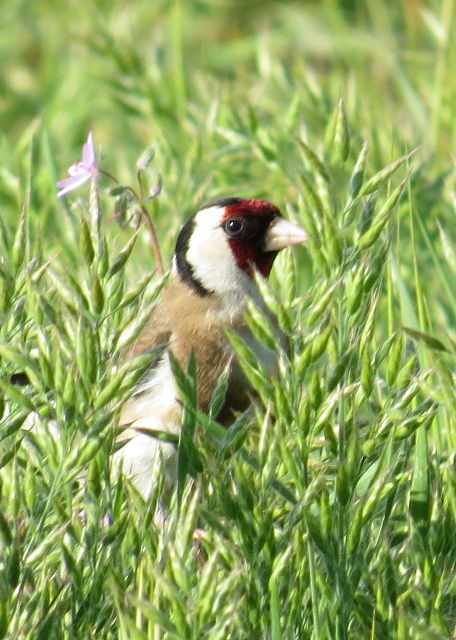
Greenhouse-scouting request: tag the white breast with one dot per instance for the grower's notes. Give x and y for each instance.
(151, 408)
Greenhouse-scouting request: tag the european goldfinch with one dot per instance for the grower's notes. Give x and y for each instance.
(217, 252)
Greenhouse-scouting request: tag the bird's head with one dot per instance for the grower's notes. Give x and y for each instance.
(222, 245)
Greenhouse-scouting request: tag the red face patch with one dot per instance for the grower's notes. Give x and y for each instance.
(251, 207)
(247, 245)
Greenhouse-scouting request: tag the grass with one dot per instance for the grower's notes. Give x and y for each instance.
(328, 512)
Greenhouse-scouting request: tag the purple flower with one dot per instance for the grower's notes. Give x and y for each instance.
(80, 172)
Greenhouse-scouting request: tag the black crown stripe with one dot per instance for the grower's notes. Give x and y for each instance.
(223, 202)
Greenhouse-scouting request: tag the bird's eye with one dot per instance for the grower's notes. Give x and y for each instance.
(234, 226)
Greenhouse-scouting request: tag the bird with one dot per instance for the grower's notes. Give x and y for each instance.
(217, 253)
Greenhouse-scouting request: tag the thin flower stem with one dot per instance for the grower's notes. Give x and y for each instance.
(146, 215)
(154, 240)
(141, 184)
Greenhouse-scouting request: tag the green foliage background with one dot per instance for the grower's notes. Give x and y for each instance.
(329, 511)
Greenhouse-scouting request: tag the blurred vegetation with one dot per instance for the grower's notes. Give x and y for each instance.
(327, 513)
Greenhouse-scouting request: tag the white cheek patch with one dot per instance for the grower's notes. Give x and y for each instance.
(209, 253)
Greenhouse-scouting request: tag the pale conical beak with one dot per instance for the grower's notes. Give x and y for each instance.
(283, 233)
